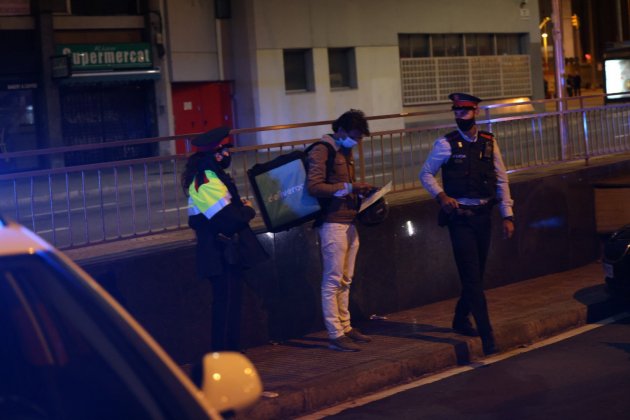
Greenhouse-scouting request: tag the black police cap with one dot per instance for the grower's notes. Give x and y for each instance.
(464, 100)
(213, 139)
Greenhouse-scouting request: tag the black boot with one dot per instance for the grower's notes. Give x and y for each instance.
(489, 345)
(464, 327)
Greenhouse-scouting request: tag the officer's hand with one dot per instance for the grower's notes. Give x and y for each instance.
(447, 203)
(246, 202)
(362, 188)
(508, 228)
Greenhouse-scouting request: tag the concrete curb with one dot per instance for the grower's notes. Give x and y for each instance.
(359, 380)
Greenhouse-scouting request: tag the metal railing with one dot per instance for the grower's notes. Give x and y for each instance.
(81, 205)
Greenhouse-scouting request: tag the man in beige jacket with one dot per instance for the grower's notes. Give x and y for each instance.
(339, 194)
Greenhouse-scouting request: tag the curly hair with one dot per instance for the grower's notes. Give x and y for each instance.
(353, 119)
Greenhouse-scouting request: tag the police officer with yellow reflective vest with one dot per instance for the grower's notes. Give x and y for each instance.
(225, 242)
(474, 179)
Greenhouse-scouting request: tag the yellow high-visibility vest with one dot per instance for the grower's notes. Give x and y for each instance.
(208, 198)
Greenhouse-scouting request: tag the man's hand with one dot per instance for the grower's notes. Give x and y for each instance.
(447, 203)
(246, 202)
(508, 228)
(362, 188)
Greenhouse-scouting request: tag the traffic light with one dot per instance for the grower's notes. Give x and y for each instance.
(574, 21)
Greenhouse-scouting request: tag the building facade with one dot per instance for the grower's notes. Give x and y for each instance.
(84, 72)
(90, 71)
(308, 60)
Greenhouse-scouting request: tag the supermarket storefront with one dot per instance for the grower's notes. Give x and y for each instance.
(109, 95)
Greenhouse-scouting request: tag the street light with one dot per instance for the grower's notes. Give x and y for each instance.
(543, 24)
(544, 38)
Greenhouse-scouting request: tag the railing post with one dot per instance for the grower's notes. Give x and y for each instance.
(587, 150)
(361, 162)
(556, 17)
(562, 125)
(488, 119)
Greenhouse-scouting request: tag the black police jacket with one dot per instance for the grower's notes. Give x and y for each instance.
(226, 238)
(470, 170)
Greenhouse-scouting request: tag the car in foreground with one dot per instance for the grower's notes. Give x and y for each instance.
(68, 350)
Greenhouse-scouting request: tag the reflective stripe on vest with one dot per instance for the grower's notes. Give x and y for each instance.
(210, 198)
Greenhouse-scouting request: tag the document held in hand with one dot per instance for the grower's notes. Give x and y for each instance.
(367, 202)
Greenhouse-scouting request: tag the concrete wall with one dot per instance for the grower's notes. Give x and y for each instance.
(192, 41)
(405, 262)
(376, 94)
(363, 23)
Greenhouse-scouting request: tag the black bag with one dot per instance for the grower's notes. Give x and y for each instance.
(616, 262)
(375, 214)
(280, 189)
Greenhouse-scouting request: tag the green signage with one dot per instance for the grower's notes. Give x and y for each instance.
(107, 56)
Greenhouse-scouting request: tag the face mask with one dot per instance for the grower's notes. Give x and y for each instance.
(348, 143)
(465, 125)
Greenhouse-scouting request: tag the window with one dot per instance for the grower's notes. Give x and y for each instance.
(105, 7)
(508, 44)
(479, 44)
(61, 6)
(457, 45)
(453, 45)
(414, 45)
(342, 68)
(298, 71)
(60, 343)
(438, 49)
(448, 45)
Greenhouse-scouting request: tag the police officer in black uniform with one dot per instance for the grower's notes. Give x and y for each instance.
(226, 245)
(474, 179)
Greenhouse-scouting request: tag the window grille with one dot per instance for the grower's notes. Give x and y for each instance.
(427, 80)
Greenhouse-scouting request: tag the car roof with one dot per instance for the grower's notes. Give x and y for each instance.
(17, 240)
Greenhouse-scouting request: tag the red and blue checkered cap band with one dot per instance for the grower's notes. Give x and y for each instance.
(226, 142)
(464, 105)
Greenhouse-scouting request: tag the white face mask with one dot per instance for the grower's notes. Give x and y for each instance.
(347, 142)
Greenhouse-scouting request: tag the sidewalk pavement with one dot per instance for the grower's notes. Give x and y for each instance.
(307, 376)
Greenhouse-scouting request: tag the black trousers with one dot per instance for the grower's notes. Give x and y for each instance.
(470, 239)
(227, 297)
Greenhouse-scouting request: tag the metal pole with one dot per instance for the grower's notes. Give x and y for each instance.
(556, 18)
(619, 21)
(591, 45)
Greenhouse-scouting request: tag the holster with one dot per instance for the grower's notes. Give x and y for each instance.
(443, 218)
(230, 248)
(463, 211)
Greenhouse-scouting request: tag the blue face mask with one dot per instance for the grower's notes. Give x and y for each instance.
(347, 142)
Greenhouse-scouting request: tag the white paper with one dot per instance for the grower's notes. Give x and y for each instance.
(367, 202)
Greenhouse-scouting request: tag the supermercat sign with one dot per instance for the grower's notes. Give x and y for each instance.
(107, 56)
